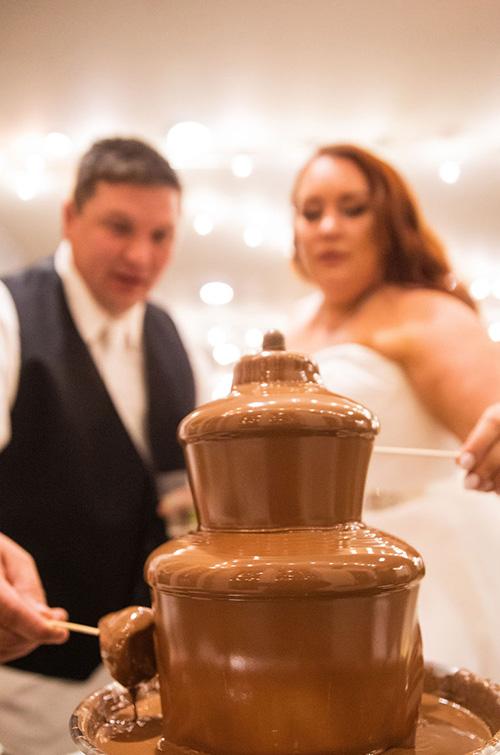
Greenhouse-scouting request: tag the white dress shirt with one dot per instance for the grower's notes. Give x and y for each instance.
(115, 343)
(10, 360)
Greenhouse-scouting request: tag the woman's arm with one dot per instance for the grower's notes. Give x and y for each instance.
(447, 354)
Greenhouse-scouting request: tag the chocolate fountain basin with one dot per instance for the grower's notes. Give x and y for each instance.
(109, 707)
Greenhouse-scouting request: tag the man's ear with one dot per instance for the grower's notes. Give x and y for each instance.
(69, 212)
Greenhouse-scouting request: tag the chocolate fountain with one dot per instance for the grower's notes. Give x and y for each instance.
(284, 625)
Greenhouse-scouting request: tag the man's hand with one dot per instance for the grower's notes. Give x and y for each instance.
(24, 613)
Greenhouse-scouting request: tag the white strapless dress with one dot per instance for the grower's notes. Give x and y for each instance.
(422, 501)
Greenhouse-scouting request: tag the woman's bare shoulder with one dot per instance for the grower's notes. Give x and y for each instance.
(414, 317)
(420, 305)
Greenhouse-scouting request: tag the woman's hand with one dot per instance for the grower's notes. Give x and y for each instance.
(24, 613)
(480, 453)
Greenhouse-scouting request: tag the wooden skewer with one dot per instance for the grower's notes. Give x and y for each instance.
(75, 627)
(439, 452)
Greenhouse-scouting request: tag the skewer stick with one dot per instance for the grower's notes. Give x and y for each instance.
(440, 452)
(75, 627)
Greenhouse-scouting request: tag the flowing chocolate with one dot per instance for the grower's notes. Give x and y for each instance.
(127, 645)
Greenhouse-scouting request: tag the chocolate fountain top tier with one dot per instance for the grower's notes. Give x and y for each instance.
(276, 392)
(280, 450)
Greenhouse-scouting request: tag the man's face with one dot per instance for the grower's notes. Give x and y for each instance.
(122, 239)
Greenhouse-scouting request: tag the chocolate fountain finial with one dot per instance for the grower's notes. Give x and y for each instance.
(273, 340)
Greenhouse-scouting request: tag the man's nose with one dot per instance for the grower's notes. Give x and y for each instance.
(139, 250)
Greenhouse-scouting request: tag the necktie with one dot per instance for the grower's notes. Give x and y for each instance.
(122, 369)
(113, 338)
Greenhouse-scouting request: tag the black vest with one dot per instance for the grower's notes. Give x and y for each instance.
(73, 489)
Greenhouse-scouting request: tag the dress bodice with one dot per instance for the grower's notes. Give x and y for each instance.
(378, 383)
(422, 501)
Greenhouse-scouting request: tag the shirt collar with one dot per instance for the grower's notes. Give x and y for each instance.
(90, 318)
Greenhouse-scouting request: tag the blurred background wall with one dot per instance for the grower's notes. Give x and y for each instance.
(237, 94)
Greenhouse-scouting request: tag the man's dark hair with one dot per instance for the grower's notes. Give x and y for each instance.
(120, 160)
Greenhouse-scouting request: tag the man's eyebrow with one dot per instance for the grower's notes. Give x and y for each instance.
(120, 214)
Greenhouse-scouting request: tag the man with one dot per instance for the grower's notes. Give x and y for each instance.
(93, 384)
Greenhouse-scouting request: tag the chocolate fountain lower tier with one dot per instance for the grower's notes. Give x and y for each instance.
(458, 716)
(300, 641)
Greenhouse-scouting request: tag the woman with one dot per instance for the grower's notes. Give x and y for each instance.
(393, 329)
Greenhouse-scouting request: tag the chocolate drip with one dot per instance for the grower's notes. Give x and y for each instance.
(127, 646)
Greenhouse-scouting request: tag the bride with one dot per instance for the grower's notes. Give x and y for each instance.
(392, 328)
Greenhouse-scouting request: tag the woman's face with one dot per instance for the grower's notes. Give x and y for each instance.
(335, 237)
